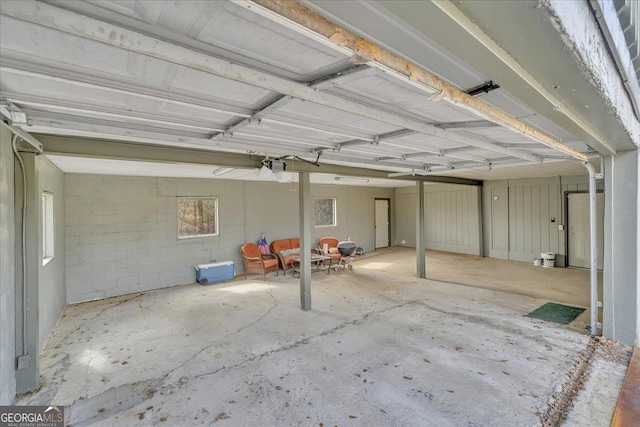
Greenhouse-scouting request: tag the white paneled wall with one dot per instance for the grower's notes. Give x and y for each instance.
(534, 215)
(522, 217)
(452, 218)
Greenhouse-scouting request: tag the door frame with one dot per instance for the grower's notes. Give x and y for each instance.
(388, 221)
(566, 221)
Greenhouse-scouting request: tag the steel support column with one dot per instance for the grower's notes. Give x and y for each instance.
(304, 191)
(420, 231)
(27, 363)
(593, 267)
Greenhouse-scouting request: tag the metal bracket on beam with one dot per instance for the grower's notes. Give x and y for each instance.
(35, 145)
(483, 88)
(227, 134)
(15, 115)
(255, 120)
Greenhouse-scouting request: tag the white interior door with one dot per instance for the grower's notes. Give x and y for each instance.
(579, 237)
(382, 223)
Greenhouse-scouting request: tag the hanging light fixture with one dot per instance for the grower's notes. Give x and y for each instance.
(350, 179)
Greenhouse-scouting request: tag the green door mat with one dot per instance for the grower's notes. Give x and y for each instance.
(557, 313)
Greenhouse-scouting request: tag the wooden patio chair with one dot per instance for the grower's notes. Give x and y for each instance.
(255, 262)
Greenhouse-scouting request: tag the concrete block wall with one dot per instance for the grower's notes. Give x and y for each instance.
(273, 208)
(52, 278)
(121, 232)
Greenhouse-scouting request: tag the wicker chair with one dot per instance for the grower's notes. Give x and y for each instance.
(255, 262)
(332, 244)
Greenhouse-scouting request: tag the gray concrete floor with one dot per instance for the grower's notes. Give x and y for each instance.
(561, 285)
(378, 348)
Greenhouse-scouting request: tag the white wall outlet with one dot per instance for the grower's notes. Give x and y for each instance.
(403, 242)
(560, 227)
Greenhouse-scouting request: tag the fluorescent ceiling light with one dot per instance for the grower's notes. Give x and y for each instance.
(350, 179)
(221, 171)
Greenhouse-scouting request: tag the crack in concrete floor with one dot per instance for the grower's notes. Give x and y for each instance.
(367, 320)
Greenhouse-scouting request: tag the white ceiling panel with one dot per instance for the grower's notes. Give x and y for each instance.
(325, 115)
(143, 10)
(218, 88)
(58, 47)
(440, 112)
(222, 26)
(381, 88)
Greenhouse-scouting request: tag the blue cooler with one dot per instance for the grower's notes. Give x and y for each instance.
(215, 272)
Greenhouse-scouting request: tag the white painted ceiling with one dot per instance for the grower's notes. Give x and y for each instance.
(69, 84)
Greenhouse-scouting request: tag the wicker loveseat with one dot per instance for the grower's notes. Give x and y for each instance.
(286, 250)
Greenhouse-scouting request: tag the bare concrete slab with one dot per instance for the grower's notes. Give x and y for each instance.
(377, 349)
(561, 285)
(592, 405)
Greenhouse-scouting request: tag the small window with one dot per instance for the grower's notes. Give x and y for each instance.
(197, 217)
(47, 228)
(325, 211)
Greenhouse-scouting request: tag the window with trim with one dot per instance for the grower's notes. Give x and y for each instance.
(47, 228)
(197, 217)
(325, 212)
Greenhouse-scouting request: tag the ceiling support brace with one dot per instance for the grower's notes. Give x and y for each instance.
(376, 56)
(285, 100)
(376, 140)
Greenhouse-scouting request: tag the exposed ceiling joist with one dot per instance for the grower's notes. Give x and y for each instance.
(110, 112)
(89, 28)
(366, 51)
(468, 125)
